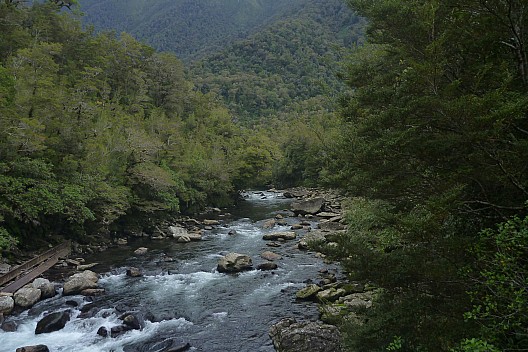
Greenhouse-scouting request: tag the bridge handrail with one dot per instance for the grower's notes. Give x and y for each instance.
(12, 274)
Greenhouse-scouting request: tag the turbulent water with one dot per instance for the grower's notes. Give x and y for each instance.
(181, 288)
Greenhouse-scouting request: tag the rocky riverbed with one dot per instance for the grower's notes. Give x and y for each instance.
(224, 282)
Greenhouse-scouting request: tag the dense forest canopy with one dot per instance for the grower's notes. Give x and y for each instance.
(188, 28)
(97, 129)
(434, 150)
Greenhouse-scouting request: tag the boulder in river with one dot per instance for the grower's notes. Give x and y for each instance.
(290, 336)
(6, 304)
(270, 256)
(309, 206)
(133, 272)
(234, 262)
(37, 348)
(267, 266)
(79, 282)
(27, 296)
(52, 322)
(285, 235)
(46, 288)
(308, 292)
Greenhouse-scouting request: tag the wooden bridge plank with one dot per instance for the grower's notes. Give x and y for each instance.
(45, 260)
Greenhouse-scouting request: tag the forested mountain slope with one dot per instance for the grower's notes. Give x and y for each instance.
(285, 64)
(188, 28)
(260, 57)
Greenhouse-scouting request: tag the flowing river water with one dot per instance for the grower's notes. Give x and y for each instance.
(190, 301)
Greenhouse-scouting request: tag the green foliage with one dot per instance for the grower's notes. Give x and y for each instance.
(434, 147)
(99, 130)
(475, 345)
(500, 297)
(285, 64)
(6, 240)
(189, 28)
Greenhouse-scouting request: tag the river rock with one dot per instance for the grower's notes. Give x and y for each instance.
(37, 348)
(79, 282)
(308, 292)
(325, 214)
(6, 305)
(269, 224)
(132, 322)
(267, 266)
(27, 296)
(210, 222)
(46, 288)
(168, 345)
(194, 236)
(331, 294)
(234, 262)
(275, 236)
(119, 330)
(290, 336)
(9, 326)
(52, 322)
(141, 251)
(102, 331)
(270, 256)
(309, 206)
(184, 239)
(178, 231)
(84, 267)
(133, 272)
(297, 227)
(93, 292)
(331, 226)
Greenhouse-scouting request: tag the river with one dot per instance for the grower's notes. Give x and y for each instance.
(191, 301)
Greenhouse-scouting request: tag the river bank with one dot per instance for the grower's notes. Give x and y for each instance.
(179, 290)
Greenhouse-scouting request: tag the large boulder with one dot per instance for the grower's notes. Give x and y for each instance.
(37, 348)
(79, 282)
(285, 235)
(6, 304)
(290, 336)
(27, 296)
(52, 322)
(234, 262)
(309, 206)
(46, 288)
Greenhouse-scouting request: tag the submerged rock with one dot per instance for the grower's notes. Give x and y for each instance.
(141, 251)
(290, 336)
(52, 322)
(37, 348)
(234, 262)
(267, 266)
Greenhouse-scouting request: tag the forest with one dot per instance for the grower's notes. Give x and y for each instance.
(426, 132)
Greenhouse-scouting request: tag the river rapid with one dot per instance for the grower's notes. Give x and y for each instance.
(190, 301)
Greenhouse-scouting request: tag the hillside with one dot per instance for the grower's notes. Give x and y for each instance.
(286, 64)
(189, 28)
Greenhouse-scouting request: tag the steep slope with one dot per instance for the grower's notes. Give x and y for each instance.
(188, 28)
